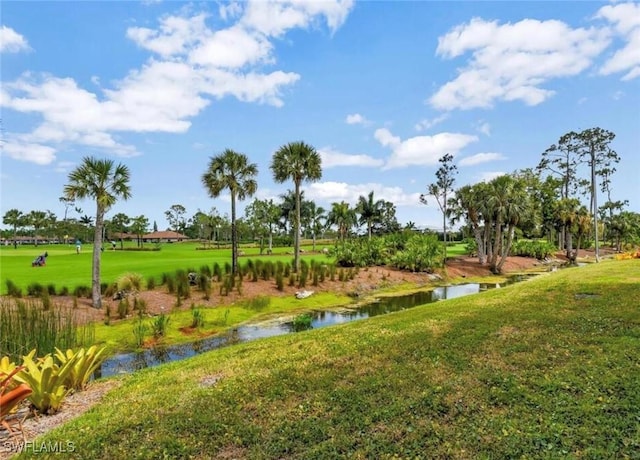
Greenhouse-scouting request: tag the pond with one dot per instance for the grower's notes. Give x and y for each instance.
(130, 362)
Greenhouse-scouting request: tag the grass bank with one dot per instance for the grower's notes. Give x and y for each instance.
(547, 368)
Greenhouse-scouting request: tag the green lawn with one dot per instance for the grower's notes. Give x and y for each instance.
(66, 268)
(546, 368)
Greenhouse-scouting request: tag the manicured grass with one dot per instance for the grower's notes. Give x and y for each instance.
(546, 368)
(66, 268)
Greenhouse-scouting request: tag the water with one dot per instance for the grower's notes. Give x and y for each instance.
(130, 362)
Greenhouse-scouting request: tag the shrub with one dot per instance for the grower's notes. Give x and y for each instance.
(527, 248)
(257, 303)
(159, 325)
(130, 282)
(82, 291)
(110, 290)
(279, 282)
(123, 308)
(35, 289)
(85, 362)
(51, 289)
(151, 283)
(302, 322)
(217, 272)
(64, 290)
(46, 380)
(13, 290)
(197, 318)
(140, 330)
(422, 253)
(46, 300)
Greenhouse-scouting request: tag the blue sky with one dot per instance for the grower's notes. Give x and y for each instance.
(380, 89)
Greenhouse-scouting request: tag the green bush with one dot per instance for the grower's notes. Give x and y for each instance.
(159, 325)
(422, 253)
(13, 290)
(35, 289)
(302, 322)
(527, 248)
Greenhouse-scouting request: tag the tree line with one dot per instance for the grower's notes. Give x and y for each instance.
(545, 201)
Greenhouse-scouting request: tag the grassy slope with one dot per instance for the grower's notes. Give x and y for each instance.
(547, 369)
(66, 268)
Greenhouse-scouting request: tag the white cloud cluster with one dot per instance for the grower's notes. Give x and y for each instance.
(512, 61)
(427, 123)
(332, 159)
(421, 150)
(356, 119)
(479, 158)
(11, 41)
(331, 191)
(192, 65)
(625, 18)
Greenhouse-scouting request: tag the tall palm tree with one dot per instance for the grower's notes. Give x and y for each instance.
(299, 162)
(13, 217)
(38, 220)
(370, 211)
(105, 182)
(343, 217)
(508, 202)
(317, 219)
(231, 171)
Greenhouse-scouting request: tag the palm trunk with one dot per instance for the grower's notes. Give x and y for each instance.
(507, 248)
(270, 239)
(97, 244)
(296, 251)
(234, 236)
(482, 255)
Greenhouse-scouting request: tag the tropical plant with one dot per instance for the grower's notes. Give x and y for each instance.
(105, 182)
(14, 218)
(422, 254)
(299, 162)
(343, 217)
(159, 325)
(11, 392)
(370, 211)
(46, 380)
(84, 364)
(231, 171)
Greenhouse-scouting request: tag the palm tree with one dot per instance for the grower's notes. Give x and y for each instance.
(507, 202)
(317, 219)
(299, 162)
(343, 217)
(105, 182)
(231, 170)
(13, 217)
(38, 220)
(370, 211)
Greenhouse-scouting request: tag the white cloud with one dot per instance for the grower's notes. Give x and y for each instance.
(330, 192)
(273, 18)
(480, 158)
(193, 64)
(430, 123)
(484, 128)
(356, 119)
(230, 11)
(625, 18)
(174, 36)
(11, 41)
(506, 64)
(332, 158)
(31, 152)
(421, 150)
(64, 167)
